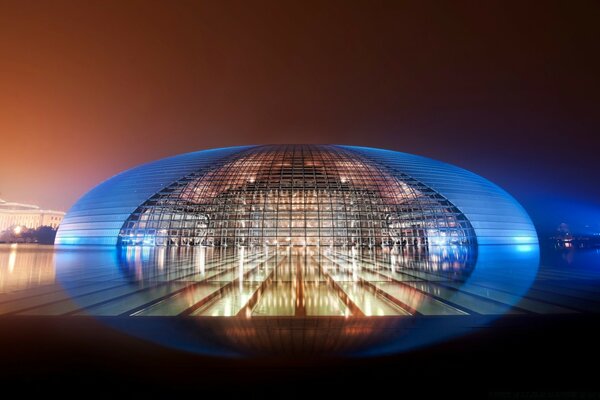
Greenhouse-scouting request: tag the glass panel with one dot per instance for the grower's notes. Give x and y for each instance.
(296, 195)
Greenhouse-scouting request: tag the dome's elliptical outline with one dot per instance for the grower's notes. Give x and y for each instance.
(300, 195)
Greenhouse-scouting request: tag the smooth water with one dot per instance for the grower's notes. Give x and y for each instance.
(256, 285)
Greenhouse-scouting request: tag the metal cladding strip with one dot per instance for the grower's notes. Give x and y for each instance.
(495, 215)
(97, 217)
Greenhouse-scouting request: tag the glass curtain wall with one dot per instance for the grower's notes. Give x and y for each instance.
(300, 195)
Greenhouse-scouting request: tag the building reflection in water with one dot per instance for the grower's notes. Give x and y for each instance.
(260, 299)
(25, 266)
(277, 299)
(296, 281)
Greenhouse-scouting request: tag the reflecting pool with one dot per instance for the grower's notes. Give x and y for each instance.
(261, 300)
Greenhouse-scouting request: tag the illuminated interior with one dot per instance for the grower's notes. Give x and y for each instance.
(275, 247)
(296, 231)
(299, 195)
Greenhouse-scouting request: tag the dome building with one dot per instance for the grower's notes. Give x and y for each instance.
(300, 249)
(299, 195)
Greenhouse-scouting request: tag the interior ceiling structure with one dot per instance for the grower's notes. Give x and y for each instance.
(296, 195)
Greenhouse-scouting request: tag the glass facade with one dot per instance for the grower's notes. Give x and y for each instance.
(299, 195)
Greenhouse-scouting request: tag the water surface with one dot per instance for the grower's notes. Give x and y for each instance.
(257, 285)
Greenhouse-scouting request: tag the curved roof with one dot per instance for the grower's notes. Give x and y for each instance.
(494, 214)
(496, 217)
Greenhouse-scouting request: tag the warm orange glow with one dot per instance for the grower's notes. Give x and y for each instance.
(24, 267)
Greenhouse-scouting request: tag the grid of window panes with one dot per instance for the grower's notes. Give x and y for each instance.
(297, 195)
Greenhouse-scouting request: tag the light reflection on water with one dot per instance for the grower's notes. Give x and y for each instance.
(571, 258)
(25, 266)
(258, 285)
(295, 281)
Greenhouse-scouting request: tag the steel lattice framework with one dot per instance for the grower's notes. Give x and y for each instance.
(297, 195)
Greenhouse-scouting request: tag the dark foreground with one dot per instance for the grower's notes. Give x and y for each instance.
(530, 356)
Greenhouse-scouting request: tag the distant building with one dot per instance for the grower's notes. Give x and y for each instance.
(27, 215)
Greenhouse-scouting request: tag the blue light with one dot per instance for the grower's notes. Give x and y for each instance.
(525, 248)
(496, 217)
(526, 239)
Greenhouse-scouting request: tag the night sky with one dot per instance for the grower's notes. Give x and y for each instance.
(508, 90)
